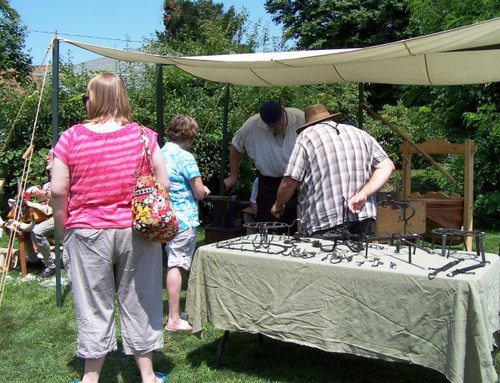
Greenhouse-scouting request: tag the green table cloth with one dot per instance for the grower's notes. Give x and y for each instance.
(380, 304)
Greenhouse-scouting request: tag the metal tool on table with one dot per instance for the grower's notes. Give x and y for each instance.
(444, 268)
(478, 236)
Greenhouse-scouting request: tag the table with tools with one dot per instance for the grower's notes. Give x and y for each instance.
(438, 308)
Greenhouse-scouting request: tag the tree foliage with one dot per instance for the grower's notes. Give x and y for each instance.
(14, 63)
(428, 16)
(202, 27)
(23, 126)
(322, 24)
(465, 112)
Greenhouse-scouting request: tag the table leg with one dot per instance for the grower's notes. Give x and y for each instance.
(220, 348)
(260, 338)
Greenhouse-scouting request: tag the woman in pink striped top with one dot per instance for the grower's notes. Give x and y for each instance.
(92, 185)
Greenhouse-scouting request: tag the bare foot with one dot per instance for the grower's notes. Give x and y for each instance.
(180, 325)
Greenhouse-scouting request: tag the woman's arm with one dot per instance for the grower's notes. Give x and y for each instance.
(160, 169)
(200, 191)
(59, 190)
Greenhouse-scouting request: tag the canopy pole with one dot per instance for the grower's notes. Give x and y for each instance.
(361, 101)
(223, 161)
(159, 104)
(55, 137)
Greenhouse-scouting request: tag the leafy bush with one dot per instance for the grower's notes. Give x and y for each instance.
(487, 211)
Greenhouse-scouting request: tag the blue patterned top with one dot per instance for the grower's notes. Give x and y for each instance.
(182, 167)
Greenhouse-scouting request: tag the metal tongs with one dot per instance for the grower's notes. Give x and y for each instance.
(448, 266)
(468, 269)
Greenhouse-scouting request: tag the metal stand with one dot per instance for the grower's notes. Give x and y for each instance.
(222, 344)
(220, 348)
(477, 235)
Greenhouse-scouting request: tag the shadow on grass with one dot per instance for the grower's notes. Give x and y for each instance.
(119, 367)
(278, 361)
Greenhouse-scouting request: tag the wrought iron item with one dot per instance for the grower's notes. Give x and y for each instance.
(467, 270)
(448, 266)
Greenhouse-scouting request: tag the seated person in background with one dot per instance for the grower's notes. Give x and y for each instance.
(43, 229)
(250, 212)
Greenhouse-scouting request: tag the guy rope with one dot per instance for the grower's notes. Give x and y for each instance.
(27, 155)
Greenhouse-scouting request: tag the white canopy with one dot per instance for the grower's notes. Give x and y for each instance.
(467, 55)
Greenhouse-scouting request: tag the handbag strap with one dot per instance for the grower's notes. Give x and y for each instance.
(145, 153)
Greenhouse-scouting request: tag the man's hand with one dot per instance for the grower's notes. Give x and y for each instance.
(285, 192)
(381, 174)
(40, 195)
(277, 211)
(253, 206)
(356, 202)
(229, 182)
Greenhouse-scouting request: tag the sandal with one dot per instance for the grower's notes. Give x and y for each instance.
(183, 326)
(162, 376)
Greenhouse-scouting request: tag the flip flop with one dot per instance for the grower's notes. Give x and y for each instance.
(183, 326)
(162, 376)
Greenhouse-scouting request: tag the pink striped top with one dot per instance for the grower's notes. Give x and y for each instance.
(101, 170)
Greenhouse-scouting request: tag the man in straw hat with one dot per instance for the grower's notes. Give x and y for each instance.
(339, 168)
(268, 138)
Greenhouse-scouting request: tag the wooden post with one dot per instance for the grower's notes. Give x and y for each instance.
(469, 150)
(406, 158)
(22, 253)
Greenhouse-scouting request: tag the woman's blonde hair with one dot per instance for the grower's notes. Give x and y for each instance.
(181, 128)
(107, 98)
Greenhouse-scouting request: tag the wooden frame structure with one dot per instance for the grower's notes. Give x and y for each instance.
(468, 148)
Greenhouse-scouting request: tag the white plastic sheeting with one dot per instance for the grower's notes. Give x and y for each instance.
(466, 55)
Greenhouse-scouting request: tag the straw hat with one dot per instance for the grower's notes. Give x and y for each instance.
(317, 113)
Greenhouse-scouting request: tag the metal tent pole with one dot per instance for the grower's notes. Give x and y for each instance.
(55, 137)
(361, 101)
(159, 104)
(223, 161)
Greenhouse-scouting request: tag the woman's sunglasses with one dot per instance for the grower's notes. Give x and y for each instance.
(85, 99)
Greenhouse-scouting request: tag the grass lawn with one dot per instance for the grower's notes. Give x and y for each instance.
(37, 344)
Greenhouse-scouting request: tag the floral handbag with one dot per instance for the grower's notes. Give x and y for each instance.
(152, 215)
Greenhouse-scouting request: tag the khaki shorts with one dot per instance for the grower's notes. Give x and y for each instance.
(180, 250)
(105, 264)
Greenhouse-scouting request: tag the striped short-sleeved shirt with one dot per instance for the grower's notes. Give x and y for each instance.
(331, 168)
(101, 169)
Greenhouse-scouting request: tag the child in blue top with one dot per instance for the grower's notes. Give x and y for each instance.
(186, 188)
